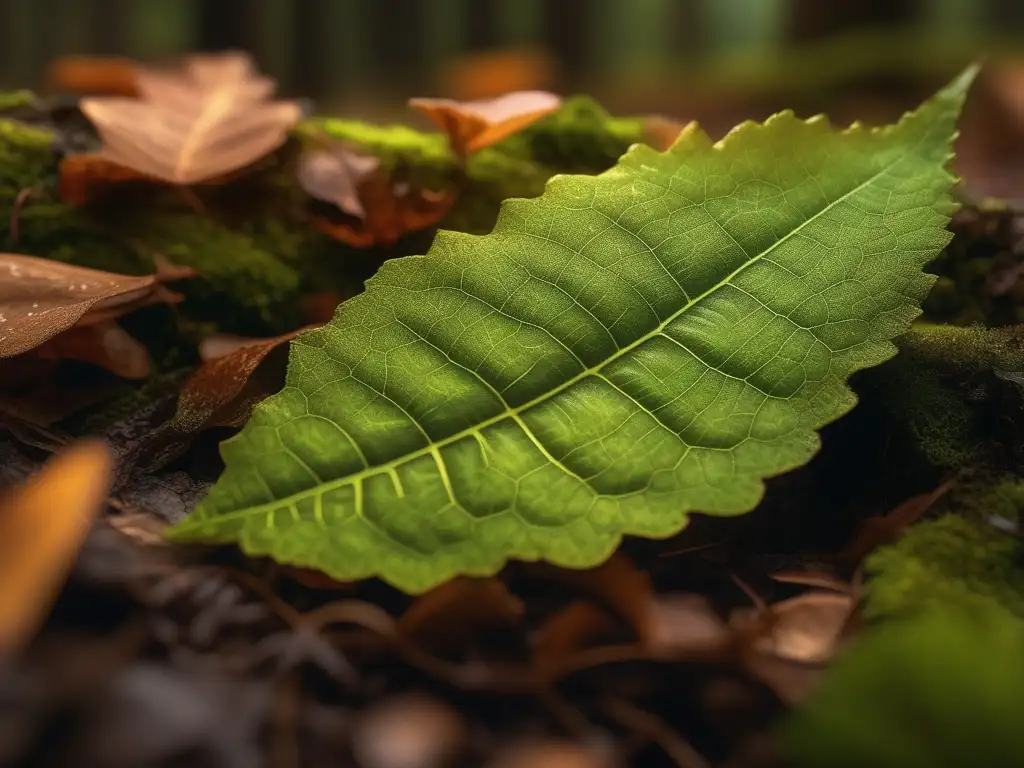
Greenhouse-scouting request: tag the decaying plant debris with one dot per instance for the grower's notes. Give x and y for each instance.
(690, 651)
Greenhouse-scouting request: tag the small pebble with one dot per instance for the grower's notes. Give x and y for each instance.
(409, 731)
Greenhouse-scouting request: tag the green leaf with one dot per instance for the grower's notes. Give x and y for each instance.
(621, 351)
(941, 689)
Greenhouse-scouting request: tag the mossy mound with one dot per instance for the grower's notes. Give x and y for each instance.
(953, 392)
(948, 561)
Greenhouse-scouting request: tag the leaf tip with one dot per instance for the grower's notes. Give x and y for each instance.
(956, 90)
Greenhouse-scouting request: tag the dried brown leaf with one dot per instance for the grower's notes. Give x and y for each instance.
(105, 344)
(876, 531)
(618, 584)
(206, 119)
(41, 298)
(233, 378)
(473, 125)
(42, 524)
(390, 211)
(457, 609)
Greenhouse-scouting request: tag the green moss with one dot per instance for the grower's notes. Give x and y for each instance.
(948, 391)
(939, 689)
(949, 561)
(241, 287)
(10, 100)
(26, 159)
(389, 142)
(580, 137)
(952, 348)
(1000, 497)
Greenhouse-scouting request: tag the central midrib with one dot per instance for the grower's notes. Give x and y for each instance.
(519, 409)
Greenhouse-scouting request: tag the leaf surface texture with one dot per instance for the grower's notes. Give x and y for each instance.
(621, 351)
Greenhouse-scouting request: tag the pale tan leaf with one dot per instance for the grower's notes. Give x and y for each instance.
(334, 174)
(204, 120)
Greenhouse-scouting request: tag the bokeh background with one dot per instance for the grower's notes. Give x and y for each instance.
(718, 61)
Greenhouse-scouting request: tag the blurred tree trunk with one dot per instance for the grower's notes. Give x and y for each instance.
(109, 22)
(1006, 16)
(310, 70)
(483, 24)
(811, 20)
(567, 34)
(228, 24)
(397, 30)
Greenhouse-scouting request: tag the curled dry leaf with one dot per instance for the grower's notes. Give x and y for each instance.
(448, 614)
(473, 125)
(199, 122)
(333, 174)
(42, 300)
(390, 210)
(42, 524)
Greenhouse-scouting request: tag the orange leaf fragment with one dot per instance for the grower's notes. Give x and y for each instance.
(373, 209)
(41, 300)
(42, 525)
(195, 123)
(486, 74)
(110, 75)
(473, 125)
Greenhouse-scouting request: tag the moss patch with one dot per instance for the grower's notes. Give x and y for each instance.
(949, 561)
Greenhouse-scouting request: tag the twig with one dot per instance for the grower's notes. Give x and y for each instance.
(21, 198)
(657, 730)
(284, 742)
